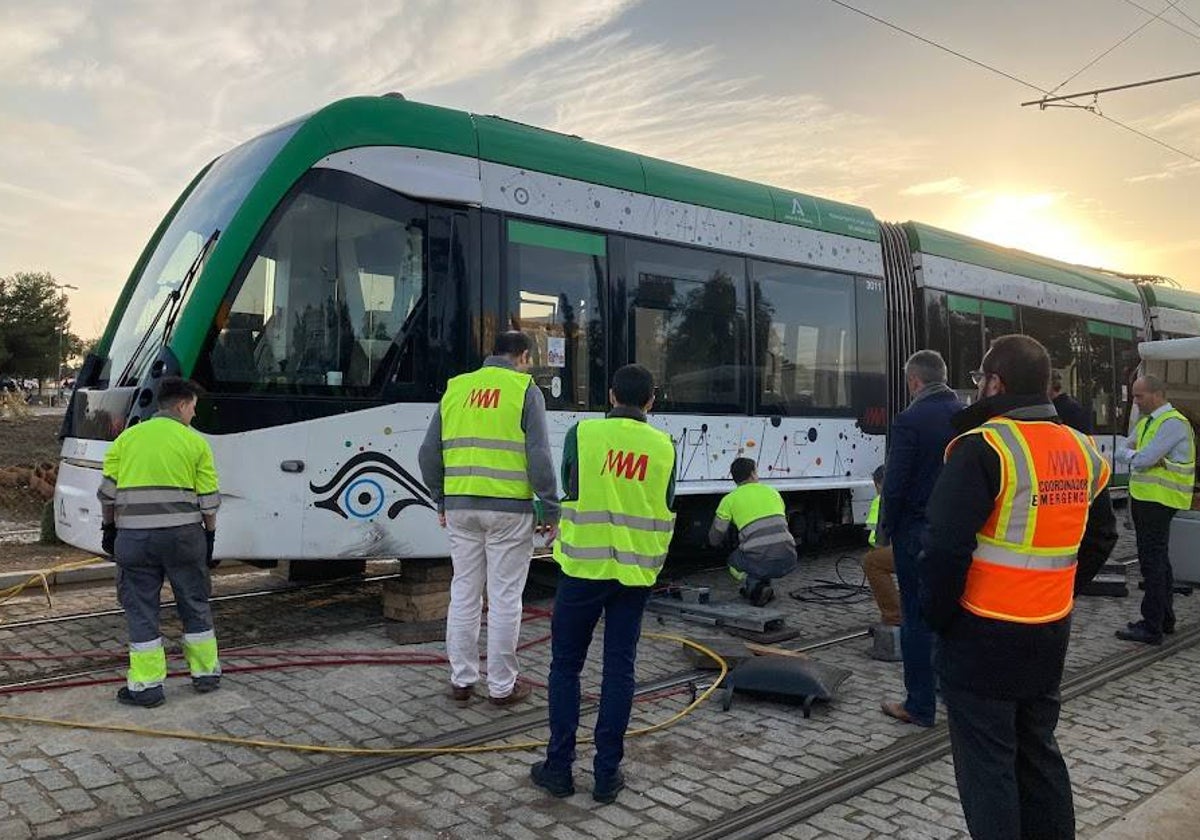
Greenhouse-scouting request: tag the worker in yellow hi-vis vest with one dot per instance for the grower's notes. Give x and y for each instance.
(619, 481)
(486, 454)
(159, 501)
(1162, 469)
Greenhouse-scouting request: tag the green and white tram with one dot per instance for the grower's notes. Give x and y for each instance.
(324, 280)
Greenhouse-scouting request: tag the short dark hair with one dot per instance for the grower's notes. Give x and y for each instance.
(174, 390)
(741, 469)
(633, 386)
(877, 476)
(1021, 362)
(512, 343)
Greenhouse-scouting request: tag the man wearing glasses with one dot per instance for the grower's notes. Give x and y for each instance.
(1006, 519)
(918, 439)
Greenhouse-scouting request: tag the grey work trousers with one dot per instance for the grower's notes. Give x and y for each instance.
(147, 557)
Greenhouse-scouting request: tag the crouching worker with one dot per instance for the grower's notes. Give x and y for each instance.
(159, 501)
(618, 475)
(766, 548)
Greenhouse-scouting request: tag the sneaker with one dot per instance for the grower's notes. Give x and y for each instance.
(557, 784)
(147, 698)
(461, 694)
(520, 691)
(206, 684)
(606, 788)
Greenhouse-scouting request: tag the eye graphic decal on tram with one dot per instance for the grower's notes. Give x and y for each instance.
(357, 492)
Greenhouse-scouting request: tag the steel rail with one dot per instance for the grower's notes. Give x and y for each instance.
(347, 769)
(809, 798)
(232, 596)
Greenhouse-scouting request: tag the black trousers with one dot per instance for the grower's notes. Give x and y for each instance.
(1153, 524)
(1012, 780)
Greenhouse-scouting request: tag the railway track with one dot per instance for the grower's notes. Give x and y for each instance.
(790, 806)
(803, 801)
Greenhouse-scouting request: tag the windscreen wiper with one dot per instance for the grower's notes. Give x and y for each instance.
(172, 303)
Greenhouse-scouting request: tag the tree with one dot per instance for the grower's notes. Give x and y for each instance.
(35, 320)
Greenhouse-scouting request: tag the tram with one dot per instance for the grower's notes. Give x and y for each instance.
(324, 280)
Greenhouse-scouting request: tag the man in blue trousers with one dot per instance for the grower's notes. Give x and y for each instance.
(916, 446)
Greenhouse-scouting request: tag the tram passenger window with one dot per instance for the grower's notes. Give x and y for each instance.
(805, 342)
(1065, 338)
(1102, 377)
(1126, 360)
(555, 279)
(688, 325)
(966, 343)
(334, 287)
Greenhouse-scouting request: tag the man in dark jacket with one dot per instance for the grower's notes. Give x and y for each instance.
(1069, 409)
(916, 445)
(998, 592)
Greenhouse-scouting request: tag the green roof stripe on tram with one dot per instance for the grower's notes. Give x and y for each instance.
(386, 121)
(561, 239)
(1171, 298)
(954, 246)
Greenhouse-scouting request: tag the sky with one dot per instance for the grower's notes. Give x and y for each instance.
(108, 109)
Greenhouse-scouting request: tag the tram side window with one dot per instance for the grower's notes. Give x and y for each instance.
(1065, 338)
(966, 342)
(1126, 361)
(688, 325)
(336, 283)
(1103, 388)
(805, 343)
(555, 279)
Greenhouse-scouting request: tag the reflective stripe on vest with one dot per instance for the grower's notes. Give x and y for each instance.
(620, 526)
(1023, 569)
(1168, 482)
(483, 445)
(758, 512)
(873, 522)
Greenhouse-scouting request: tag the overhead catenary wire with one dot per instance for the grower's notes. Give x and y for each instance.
(1136, 30)
(1169, 22)
(1009, 76)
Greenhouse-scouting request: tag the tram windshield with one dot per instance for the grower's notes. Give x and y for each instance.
(209, 207)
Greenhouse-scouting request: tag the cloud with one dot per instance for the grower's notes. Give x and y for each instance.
(108, 110)
(681, 105)
(1174, 169)
(946, 186)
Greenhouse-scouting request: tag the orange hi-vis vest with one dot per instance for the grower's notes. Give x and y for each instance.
(1023, 568)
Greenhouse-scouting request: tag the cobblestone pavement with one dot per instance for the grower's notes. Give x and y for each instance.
(1123, 742)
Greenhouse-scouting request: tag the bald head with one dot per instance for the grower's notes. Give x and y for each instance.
(1149, 394)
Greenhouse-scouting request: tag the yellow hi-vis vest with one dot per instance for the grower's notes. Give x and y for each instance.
(159, 474)
(483, 444)
(620, 526)
(1167, 482)
(873, 522)
(1023, 566)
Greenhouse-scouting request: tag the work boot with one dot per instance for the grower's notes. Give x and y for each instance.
(606, 788)
(554, 782)
(205, 684)
(461, 694)
(1168, 626)
(147, 698)
(762, 594)
(520, 691)
(1140, 633)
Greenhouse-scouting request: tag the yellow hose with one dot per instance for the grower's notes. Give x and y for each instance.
(42, 576)
(283, 745)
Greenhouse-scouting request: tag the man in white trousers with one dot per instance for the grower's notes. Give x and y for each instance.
(486, 454)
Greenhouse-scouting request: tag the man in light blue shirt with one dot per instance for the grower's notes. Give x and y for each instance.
(1162, 457)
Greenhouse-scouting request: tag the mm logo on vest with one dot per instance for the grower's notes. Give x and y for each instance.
(632, 464)
(1071, 489)
(483, 398)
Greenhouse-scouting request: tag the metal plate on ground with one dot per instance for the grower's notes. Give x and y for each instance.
(727, 615)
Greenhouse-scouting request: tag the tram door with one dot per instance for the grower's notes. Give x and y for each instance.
(553, 291)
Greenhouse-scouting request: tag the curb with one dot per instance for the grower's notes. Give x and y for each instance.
(101, 570)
